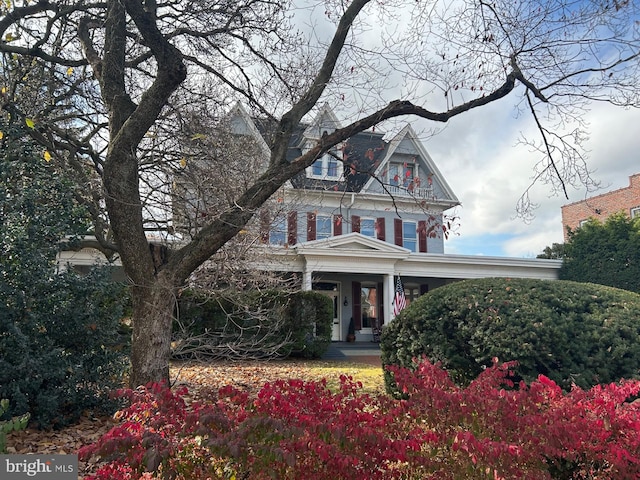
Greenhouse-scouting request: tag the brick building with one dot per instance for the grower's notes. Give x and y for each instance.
(600, 207)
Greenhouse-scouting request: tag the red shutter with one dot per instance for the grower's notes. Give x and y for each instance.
(356, 310)
(397, 231)
(355, 223)
(311, 226)
(422, 236)
(380, 229)
(292, 228)
(337, 224)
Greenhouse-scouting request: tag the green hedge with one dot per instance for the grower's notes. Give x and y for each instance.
(300, 322)
(63, 348)
(571, 332)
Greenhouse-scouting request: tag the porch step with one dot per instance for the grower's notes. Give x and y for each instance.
(344, 350)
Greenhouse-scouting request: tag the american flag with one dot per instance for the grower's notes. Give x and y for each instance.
(399, 300)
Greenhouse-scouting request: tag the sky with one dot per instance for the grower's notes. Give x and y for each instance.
(478, 156)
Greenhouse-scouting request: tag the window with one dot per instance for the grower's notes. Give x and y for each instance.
(368, 227)
(411, 294)
(635, 212)
(369, 302)
(332, 167)
(324, 226)
(401, 174)
(316, 168)
(326, 167)
(278, 232)
(409, 235)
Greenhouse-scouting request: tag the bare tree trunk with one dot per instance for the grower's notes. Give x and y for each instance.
(153, 308)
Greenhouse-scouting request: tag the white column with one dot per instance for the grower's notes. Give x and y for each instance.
(389, 292)
(306, 280)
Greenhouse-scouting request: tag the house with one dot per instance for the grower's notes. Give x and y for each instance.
(600, 207)
(369, 212)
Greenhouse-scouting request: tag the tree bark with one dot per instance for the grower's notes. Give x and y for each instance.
(153, 308)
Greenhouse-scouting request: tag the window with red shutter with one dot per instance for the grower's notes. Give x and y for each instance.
(337, 225)
(422, 236)
(355, 223)
(397, 231)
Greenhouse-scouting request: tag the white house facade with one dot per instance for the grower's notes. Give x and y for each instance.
(361, 216)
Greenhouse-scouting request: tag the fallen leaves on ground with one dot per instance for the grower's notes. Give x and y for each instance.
(248, 376)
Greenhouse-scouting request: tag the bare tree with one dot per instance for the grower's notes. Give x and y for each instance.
(120, 71)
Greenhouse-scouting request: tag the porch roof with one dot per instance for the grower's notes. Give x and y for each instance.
(356, 253)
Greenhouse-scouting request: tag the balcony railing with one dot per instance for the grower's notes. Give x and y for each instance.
(426, 193)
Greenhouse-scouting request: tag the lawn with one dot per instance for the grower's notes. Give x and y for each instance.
(251, 375)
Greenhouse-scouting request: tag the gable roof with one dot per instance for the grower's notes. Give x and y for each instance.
(241, 123)
(324, 121)
(365, 154)
(408, 133)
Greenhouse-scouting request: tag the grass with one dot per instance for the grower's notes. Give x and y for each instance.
(369, 375)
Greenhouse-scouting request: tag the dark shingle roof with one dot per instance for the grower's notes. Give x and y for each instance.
(362, 155)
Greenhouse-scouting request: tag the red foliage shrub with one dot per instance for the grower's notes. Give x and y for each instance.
(295, 429)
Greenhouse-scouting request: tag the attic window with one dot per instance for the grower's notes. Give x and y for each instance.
(327, 167)
(401, 175)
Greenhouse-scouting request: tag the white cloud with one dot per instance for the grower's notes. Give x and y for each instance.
(478, 156)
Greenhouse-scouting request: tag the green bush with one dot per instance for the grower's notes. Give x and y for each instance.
(62, 347)
(255, 324)
(310, 317)
(571, 332)
(58, 332)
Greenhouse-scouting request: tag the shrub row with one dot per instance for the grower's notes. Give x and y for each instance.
(296, 429)
(261, 324)
(571, 332)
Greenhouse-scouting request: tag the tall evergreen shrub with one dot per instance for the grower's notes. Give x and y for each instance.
(606, 253)
(59, 332)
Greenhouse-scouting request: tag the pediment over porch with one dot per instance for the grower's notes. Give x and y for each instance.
(352, 244)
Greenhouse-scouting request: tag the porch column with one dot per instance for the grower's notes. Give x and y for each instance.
(307, 284)
(388, 292)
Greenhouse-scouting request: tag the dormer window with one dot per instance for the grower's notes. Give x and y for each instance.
(327, 167)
